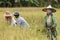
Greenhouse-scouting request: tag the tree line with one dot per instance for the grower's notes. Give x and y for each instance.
(29, 3)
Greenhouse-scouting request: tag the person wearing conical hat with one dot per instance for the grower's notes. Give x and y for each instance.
(50, 21)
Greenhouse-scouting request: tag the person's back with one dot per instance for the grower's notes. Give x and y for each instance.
(22, 22)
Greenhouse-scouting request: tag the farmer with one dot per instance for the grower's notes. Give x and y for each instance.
(20, 20)
(9, 18)
(50, 21)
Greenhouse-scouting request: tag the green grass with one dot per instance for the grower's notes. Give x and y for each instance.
(34, 16)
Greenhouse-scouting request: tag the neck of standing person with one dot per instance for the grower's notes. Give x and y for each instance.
(48, 14)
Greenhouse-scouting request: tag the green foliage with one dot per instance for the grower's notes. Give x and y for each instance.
(1, 2)
(45, 4)
(31, 3)
(35, 2)
(16, 1)
(9, 3)
(57, 6)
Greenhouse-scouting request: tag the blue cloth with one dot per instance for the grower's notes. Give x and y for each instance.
(50, 12)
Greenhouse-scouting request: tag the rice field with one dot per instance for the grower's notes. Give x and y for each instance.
(34, 16)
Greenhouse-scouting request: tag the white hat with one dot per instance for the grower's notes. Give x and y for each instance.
(49, 7)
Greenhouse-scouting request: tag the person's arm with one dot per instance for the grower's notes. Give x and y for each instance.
(13, 22)
(45, 24)
(54, 22)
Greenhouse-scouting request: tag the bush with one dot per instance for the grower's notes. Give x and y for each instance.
(9, 3)
(56, 6)
(1, 2)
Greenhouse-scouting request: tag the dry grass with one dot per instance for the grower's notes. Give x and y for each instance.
(34, 16)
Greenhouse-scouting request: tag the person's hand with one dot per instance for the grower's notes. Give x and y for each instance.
(52, 28)
(15, 23)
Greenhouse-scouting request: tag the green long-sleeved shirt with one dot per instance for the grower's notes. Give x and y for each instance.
(54, 22)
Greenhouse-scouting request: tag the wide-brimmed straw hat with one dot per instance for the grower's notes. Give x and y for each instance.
(49, 7)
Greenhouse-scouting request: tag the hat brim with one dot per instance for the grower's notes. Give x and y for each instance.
(45, 9)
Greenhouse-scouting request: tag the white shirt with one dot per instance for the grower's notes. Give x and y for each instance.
(49, 20)
(13, 22)
(22, 22)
